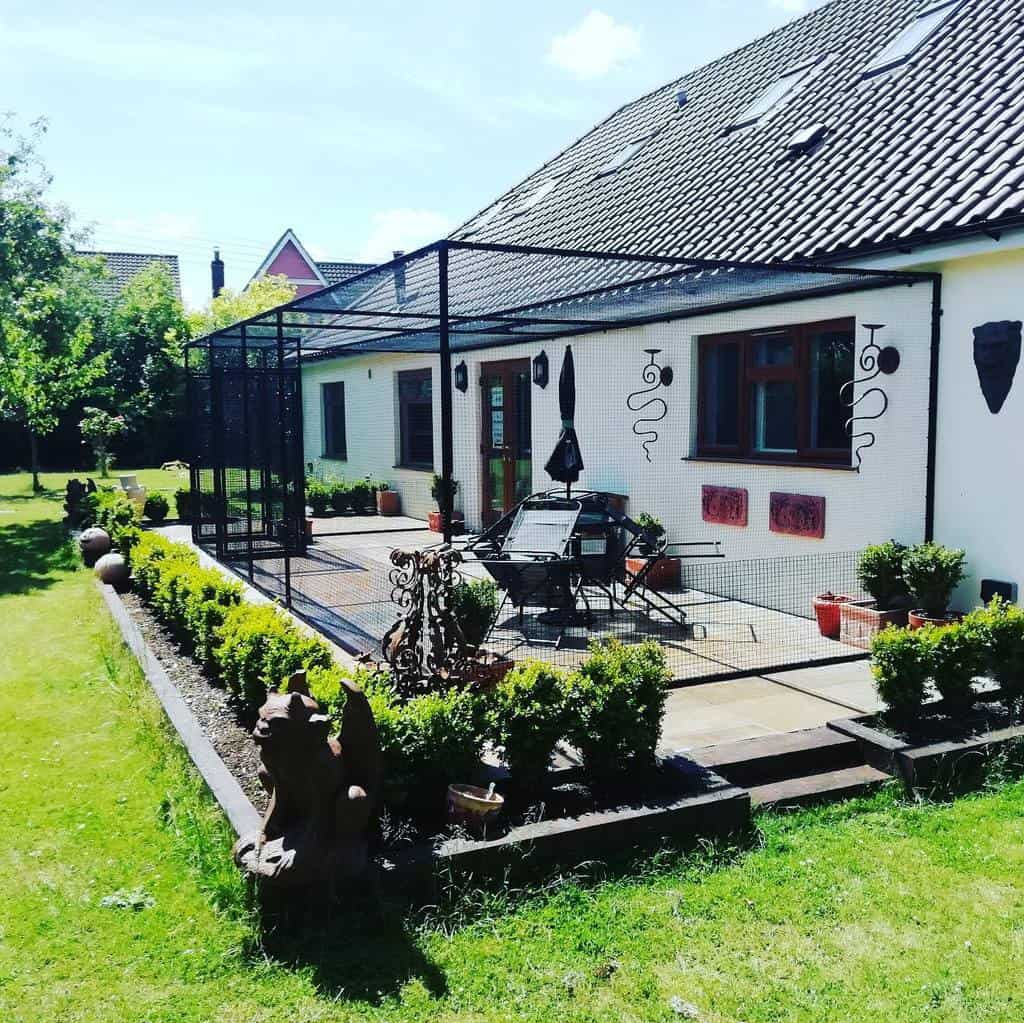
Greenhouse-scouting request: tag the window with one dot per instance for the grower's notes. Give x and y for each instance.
(903, 46)
(625, 154)
(332, 404)
(415, 419)
(775, 94)
(485, 218)
(774, 394)
(528, 202)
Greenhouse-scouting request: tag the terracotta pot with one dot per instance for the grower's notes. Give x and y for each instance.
(826, 610)
(434, 523)
(309, 528)
(663, 576)
(389, 502)
(918, 619)
(472, 807)
(490, 668)
(860, 622)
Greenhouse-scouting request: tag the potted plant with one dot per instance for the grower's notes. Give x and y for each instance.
(389, 501)
(440, 487)
(361, 497)
(880, 573)
(475, 606)
(827, 611)
(156, 508)
(664, 574)
(318, 496)
(932, 573)
(340, 500)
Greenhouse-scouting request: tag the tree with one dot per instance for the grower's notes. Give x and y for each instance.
(231, 306)
(99, 428)
(49, 304)
(145, 379)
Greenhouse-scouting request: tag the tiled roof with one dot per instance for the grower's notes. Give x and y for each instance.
(932, 148)
(123, 266)
(335, 273)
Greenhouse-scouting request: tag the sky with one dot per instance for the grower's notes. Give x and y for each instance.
(365, 127)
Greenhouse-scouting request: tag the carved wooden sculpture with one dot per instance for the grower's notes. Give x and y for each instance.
(324, 792)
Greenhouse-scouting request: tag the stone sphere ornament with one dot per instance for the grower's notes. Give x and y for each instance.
(113, 570)
(93, 544)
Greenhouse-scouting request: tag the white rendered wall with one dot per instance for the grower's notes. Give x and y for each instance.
(886, 499)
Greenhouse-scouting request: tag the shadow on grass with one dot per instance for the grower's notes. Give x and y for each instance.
(32, 554)
(365, 952)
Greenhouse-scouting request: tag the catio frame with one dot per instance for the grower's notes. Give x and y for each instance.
(245, 387)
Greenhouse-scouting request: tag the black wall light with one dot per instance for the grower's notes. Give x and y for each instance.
(540, 370)
(461, 377)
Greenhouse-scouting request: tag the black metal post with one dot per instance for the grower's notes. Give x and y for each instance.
(246, 445)
(445, 505)
(933, 407)
(287, 515)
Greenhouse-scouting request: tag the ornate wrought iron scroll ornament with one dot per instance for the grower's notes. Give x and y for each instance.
(874, 360)
(655, 377)
(426, 642)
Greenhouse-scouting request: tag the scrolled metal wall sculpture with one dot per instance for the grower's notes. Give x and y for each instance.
(655, 377)
(874, 361)
(427, 642)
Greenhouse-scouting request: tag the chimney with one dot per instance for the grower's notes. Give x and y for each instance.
(217, 273)
(399, 277)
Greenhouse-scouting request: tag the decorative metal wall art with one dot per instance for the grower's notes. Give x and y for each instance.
(996, 357)
(655, 377)
(540, 370)
(460, 377)
(874, 361)
(726, 506)
(797, 515)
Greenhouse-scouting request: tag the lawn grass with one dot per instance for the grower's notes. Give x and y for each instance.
(870, 911)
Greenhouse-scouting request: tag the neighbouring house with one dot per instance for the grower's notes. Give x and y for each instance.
(878, 134)
(123, 266)
(289, 258)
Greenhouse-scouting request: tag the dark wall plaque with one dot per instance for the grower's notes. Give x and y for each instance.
(996, 357)
(725, 505)
(797, 515)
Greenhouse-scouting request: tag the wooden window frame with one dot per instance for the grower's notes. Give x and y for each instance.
(750, 374)
(404, 461)
(327, 421)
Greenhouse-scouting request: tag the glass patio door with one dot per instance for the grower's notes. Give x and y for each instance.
(505, 445)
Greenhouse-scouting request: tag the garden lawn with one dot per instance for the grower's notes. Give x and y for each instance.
(119, 902)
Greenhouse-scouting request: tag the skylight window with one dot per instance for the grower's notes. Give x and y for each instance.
(902, 48)
(624, 155)
(531, 199)
(484, 219)
(774, 94)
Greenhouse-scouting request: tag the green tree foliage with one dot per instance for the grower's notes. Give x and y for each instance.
(231, 306)
(49, 304)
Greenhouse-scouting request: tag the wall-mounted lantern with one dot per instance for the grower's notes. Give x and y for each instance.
(461, 377)
(540, 370)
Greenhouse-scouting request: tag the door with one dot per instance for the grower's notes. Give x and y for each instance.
(505, 444)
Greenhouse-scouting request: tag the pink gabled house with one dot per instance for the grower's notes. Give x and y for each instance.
(289, 258)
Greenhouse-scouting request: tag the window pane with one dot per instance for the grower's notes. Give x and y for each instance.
(416, 418)
(333, 409)
(776, 350)
(773, 416)
(831, 358)
(721, 408)
(420, 425)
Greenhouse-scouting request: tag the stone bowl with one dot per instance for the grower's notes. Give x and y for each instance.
(113, 570)
(93, 544)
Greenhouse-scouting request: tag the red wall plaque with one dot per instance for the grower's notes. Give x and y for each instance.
(725, 505)
(797, 515)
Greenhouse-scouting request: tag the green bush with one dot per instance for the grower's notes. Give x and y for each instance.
(954, 658)
(183, 504)
(999, 632)
(318, 496)
(880, 572)
(615, 704)
(156, 508)
(340, 496)
(526, 718)
(900, 665)
(110, 510)
(932, 573)
(150, 552)
(361, 497)
(475, 605)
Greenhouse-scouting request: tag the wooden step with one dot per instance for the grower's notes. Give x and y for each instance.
(770, 758)
(821, 787)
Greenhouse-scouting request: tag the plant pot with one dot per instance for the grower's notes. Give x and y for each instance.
(308, 528)
(826, 610)
(918, 619)
(663, 576)
(860, 621)
(472, 808)
(434, 521)
(389, 502)
(489, 669)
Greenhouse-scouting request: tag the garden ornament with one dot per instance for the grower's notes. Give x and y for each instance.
(996, 357)
(73, 496)
(324, 792)
(113, 570)
(93, 544)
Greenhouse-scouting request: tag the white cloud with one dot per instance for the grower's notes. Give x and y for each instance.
(164, 227)
(404, 229)
(795, 6)
(595, 46)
